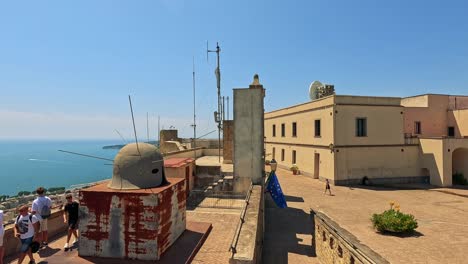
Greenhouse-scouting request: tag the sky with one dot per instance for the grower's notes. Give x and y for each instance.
(67, 67)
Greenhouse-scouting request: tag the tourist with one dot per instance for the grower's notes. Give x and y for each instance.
(26, 225)
(70, 217)
(41, 208)
(327, 187)
(2, 231)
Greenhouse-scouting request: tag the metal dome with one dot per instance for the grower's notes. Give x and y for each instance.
(138, 167)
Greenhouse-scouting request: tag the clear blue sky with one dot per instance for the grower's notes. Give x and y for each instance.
(66, 67)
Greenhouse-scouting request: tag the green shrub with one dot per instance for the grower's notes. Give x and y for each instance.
(459, 179)
(393, 220)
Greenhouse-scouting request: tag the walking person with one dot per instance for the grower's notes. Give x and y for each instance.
(26, 226)
(41, 208)
(327, 187)
(2, 232)
(70, 217)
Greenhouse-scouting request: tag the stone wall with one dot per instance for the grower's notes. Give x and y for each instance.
(334, 244)
(248, 241)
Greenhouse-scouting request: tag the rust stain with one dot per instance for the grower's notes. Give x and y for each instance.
(99, 204)
(137, 212)
(134, 219)
(165, 212)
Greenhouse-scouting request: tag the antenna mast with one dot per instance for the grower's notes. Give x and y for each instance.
(194, 125)
(218, 116)
(147, 127)
(134, 128)
(159, 134)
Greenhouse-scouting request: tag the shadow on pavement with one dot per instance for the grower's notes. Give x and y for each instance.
(287, 230)
(293, 199)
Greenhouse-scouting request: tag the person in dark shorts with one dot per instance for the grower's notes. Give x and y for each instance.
(327, 187)
(70, 217)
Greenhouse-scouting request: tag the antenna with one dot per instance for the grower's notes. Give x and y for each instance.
(85, 155)
(224, 113)
(228, 108)
(194, 125)
(207, 51)
(133, 120)
(159, 133)
(126, 142)
(147, 127)
(218, 84)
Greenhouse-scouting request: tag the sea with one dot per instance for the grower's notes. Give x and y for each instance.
(28, 164)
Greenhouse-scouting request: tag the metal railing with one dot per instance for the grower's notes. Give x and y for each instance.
(235, 239)
(215, 199)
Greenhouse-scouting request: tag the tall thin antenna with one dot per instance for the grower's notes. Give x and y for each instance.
(134, 127)
(228, 108)
(159, 133)
(218, 115)
(224, 109)
(194, 113)
(85, 155)
(126, 142)
(147, 127)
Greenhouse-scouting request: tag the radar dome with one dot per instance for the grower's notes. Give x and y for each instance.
(138, 167)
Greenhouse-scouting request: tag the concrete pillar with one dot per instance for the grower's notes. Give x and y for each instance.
(249, 157)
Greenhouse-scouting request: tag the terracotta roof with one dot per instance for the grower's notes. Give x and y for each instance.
(176, 162)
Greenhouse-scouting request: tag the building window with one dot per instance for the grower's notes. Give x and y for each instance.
(361, 127)
(294, 129)
(317, 128)
(283, 130)
(282, 154)
(294, 157)
(451, 131)
(274, 130)
(417, 127)
(273, 153)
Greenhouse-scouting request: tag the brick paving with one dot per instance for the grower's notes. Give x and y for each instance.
(180, 252)
(216, 247)
(442, 215)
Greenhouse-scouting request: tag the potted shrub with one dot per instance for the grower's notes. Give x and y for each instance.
(394, 221)
(295, 169)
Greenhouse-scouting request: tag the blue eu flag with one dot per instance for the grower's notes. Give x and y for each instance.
(274, 188)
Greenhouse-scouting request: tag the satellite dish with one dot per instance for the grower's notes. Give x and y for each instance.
(313, 90)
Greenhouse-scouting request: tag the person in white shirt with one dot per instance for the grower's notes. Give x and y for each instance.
(26, 226)
(2, 232)
(41, 208)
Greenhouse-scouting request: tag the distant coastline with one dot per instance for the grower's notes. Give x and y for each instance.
(119, 146)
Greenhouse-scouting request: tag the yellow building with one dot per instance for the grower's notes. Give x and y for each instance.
(351, 139)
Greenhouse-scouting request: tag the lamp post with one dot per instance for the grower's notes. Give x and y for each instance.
(273, 165)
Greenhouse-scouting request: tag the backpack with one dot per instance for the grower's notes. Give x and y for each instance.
(21, 227)
(45, 211)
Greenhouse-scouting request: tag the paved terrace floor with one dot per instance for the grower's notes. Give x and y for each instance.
(442, 215)
(215, 248)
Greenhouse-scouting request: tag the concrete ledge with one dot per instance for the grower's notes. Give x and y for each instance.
(250, 240)
(56, 227)
(334, 244)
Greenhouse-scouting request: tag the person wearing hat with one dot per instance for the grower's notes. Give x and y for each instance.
(26, 226)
